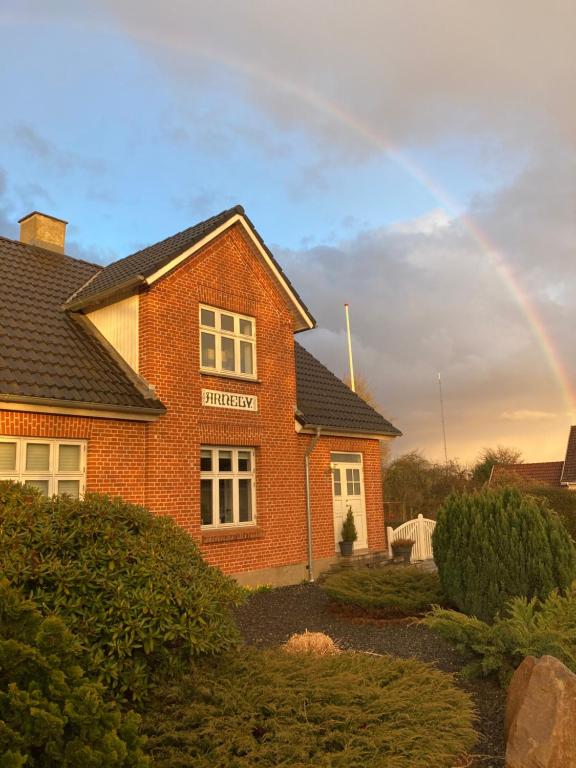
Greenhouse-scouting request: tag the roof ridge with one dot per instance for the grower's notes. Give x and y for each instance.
(50, 251)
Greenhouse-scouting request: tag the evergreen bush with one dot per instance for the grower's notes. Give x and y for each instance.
(349, 532)
(133, 587)
(51, 716)
(390, 590)
(496, 544)
(273, 709)
(528, 628)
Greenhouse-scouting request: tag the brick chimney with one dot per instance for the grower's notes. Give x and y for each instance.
(43, 230)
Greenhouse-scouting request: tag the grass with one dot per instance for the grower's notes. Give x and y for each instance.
(392, 590)
(269, 708)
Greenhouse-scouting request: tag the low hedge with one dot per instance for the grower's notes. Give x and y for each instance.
(527, 628)
(51, 716)
(272, 709)
(133, 587)
(388, 590)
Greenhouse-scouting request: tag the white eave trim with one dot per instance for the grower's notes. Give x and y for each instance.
(236, 219)
(72, 411)
(341, 433)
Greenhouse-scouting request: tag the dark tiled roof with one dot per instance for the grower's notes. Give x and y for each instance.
(548, 472)
(44, 352)
(324, 400)
(149, 260)
(569, 473)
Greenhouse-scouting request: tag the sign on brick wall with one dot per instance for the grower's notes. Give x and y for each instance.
(216, 399)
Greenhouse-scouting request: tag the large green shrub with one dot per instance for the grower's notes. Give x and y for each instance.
(497, 544)
(276, 710)
(390, 590)
(528, 628)
(50, 715)
(133, 587)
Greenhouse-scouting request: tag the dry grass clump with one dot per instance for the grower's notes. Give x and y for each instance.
(314, 643)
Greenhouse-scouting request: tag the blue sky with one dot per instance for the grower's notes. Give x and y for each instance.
(135, 120)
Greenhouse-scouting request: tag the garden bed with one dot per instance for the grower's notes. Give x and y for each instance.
(269, 618)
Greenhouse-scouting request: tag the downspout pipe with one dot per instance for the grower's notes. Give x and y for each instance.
(307, 455)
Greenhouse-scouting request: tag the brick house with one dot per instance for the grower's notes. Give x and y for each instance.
(172, 378)
(555, 473)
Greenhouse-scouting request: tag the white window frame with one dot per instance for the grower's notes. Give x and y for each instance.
(52, 475)
(235, 335)
(235, 475)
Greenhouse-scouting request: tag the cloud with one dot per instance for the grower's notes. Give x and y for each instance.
(50, 154)
(407, 71)
(527, 415)
(426, 296)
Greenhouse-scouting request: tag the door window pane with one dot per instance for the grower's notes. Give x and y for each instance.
(245, 327)
(7, 457)
(225, 461)
(337, 482)
(205, 461)
(69, 458)
(70, 487)
(37, 457)
(245, 500)
(226, 501)
(208, 317)
(227, 323)
(246, 365)
(208, 341)
(244, 463)
(42, 485)
(228, 357)
(346, 458)
(206, 502)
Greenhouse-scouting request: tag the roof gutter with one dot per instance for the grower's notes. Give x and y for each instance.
(42, 402)
(101, 297)
(307, 454)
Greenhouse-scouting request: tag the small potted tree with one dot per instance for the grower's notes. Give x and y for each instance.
(402, 548)
(349, 534)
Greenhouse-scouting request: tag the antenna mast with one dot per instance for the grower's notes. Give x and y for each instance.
(442, 415)
(352, 382)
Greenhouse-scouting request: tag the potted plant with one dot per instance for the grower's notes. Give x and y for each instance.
(403, 548)
(349, 534)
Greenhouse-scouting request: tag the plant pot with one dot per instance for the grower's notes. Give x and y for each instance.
(346, 548)
(403, 552)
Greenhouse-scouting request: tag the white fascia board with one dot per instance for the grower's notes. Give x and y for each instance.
(238, 218)
(72, 411)
(341, 433)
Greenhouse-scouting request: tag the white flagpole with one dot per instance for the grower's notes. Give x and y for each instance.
(352, 382)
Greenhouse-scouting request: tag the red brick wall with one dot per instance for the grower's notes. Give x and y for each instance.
(158, 463)
(115, 461)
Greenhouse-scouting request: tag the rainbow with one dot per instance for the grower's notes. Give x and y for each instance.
(377, 139)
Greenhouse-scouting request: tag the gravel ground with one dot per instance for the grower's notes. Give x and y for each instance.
(270, 617)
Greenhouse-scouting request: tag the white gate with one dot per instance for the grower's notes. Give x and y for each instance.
(420, 531)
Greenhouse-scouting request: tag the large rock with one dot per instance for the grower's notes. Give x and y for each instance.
(541, 715)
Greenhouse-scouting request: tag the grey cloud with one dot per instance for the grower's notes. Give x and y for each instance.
(50, 154)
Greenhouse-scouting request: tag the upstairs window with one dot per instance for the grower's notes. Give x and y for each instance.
(227, 343)
(51, 466)
(226, 486)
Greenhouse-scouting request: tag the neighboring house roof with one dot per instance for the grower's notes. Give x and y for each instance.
(143, 264)
(325, 401)
(44, 352)
(569, 473)
(548, 472)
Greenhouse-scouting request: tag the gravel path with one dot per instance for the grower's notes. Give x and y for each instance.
(270, 617)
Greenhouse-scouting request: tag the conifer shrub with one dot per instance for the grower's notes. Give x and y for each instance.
(271, 709)
(133, 587)
(527, 628)
(496, 544)
(51, 716)
(392, 590)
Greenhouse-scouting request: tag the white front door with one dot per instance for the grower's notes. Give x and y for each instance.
(348, 491)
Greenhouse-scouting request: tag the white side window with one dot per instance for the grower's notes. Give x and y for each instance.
(52, 466)
(226, 486)
(227, 342)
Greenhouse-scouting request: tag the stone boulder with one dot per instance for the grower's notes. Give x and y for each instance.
(540, 718)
